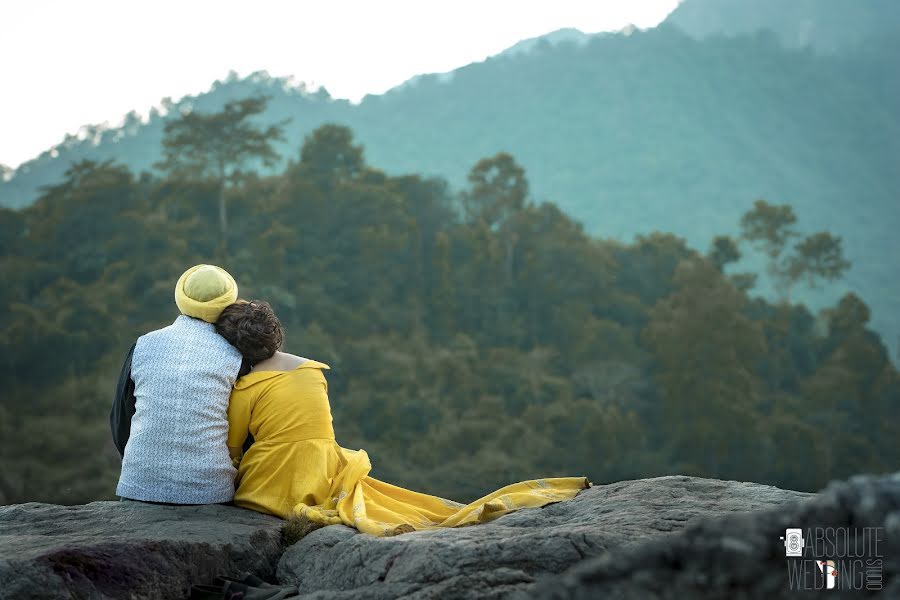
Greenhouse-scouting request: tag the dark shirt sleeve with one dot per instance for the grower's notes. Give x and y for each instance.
(246, 366)
(123, 406)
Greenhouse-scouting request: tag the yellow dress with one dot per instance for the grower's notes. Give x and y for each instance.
(294, 465)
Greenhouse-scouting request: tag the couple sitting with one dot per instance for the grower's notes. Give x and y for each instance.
(209, 410)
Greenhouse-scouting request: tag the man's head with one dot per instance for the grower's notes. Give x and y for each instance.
(252, 328)
(203, 291)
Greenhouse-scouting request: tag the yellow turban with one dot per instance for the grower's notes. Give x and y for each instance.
(203, 292)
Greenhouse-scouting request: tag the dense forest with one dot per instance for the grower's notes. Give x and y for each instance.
(476, 337)
(628, 133)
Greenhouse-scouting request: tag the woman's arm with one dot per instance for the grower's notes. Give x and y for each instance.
(238, 424)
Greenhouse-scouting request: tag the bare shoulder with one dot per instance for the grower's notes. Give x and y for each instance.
(280, 361)
(290, 361)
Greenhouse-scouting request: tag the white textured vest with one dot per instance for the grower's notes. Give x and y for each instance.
(183, 375)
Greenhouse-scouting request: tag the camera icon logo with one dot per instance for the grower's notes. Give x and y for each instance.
(793, 542)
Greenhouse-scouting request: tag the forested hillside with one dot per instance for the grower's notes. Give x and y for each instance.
(826, 26)
(629, 133)
(475, 339)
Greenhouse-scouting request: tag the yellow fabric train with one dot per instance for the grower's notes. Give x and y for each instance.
(295, 466)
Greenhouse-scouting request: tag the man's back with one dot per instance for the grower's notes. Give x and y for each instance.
(183, 375)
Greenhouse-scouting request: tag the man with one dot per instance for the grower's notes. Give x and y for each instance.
(169, 417)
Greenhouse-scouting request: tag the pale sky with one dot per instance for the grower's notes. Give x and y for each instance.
(71, 63)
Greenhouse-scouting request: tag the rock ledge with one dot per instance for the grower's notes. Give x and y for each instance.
(133, 550)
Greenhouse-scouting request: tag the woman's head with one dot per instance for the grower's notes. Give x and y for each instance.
(252, 328)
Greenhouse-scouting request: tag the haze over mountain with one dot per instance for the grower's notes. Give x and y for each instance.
(633, 132)
(827, 26)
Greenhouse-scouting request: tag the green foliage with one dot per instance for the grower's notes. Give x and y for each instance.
(329, 156)
(203, 145)
(498, 190)
(707, 349)
(654, 130)
(723, 251)
(475, 339)
(769, 227)
(217, 146)
(817, 256)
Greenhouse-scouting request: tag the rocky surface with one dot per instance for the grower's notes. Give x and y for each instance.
(742, 556)
(133, 550)
(128, 549)
(507, 556)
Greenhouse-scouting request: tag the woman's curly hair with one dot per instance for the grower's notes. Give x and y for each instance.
(252, 328)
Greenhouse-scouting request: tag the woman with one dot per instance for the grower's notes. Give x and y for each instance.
(295, 467)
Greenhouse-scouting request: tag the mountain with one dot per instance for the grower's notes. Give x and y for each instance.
(568, 35)
(825, 25)
(630, 133)
(137, 143)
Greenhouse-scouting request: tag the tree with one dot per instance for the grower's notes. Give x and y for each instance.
(217, 146)
(84, 214)
(723, 251)
(12, 226)
(856, 375)
(769, 228)
(328, 156)
(817, 256)
(497, 190)
(707, 349)
(442, 300)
